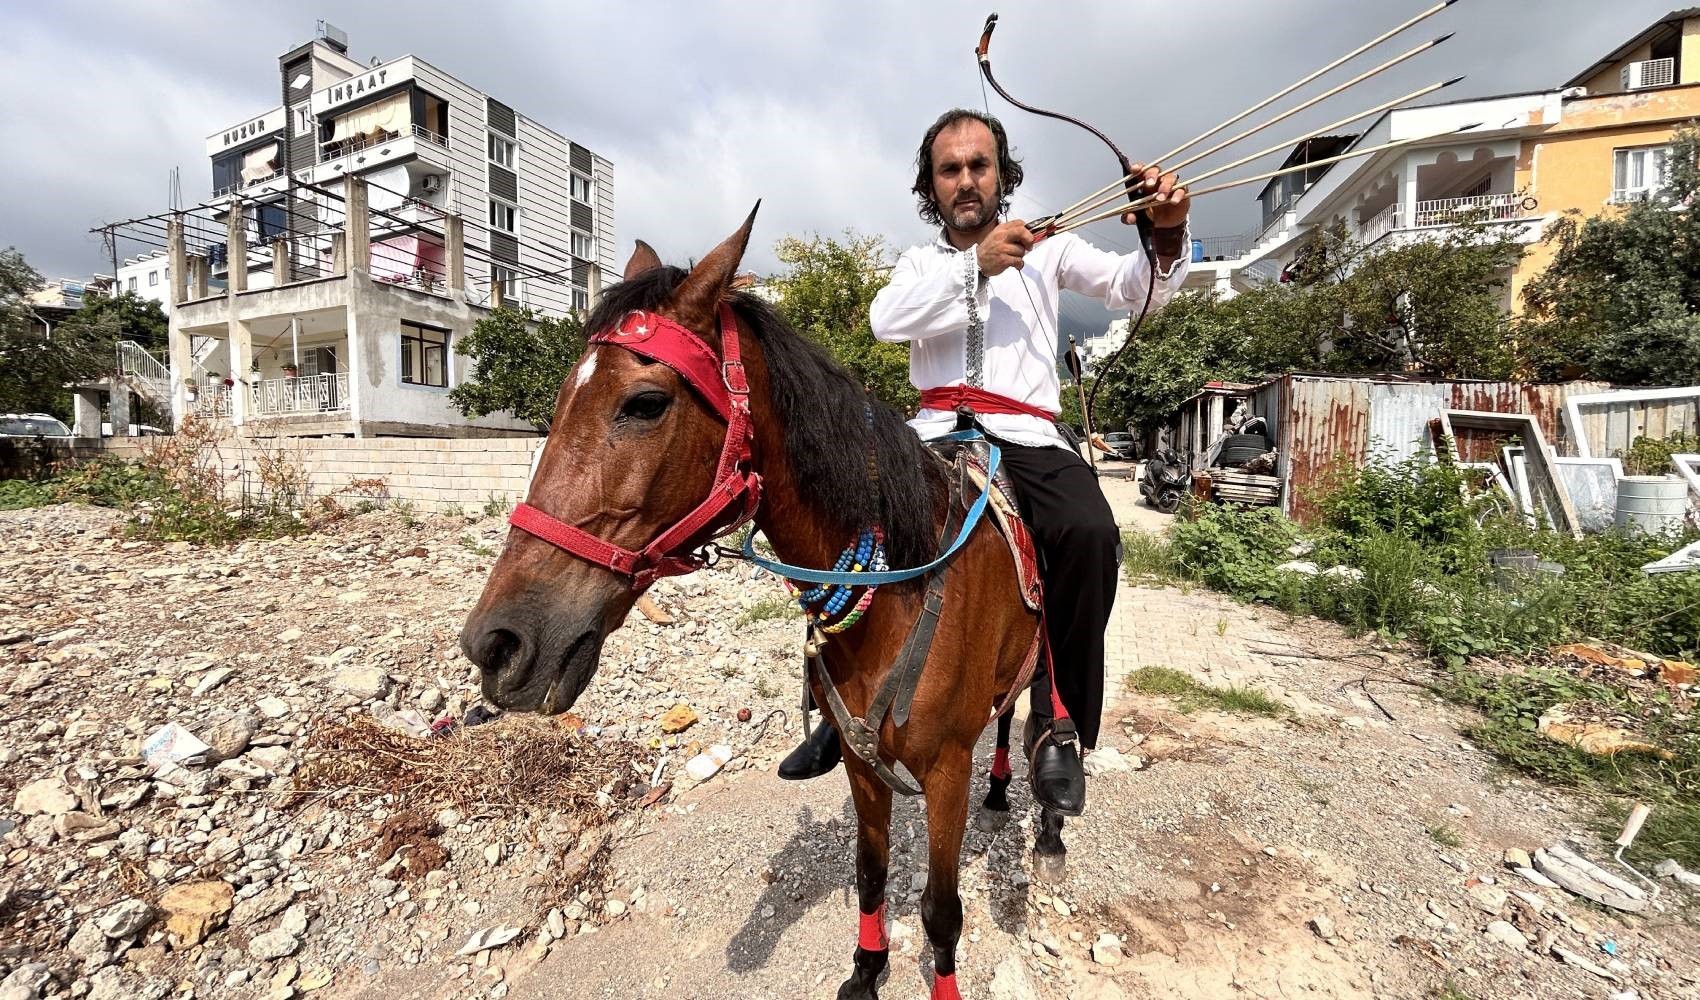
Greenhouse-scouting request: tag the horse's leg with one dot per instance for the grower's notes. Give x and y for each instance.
(994, 811)
(946, 788)
(1050, 857)
(873, 855)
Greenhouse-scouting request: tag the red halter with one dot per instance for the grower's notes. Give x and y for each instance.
(721, 384)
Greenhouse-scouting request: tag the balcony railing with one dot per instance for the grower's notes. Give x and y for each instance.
(337, 150)
(212, 401)
(1384, 222)
(1486, 207)
(307, 394)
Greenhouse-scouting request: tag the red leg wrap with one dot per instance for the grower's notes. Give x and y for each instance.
(1000, 764)
(944, 988)
(1058, 710)
(871, 935)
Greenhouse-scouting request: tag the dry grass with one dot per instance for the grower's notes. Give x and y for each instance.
(514, 765)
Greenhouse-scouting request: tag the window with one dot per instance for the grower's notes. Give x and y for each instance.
(1638, 174)
(584, 248)
(131, 284)
(581, 188)
(505, 279)
(424, 355)
(581, 300)
(501, 216)
(153, 278)
(303, 119)
(502, 151)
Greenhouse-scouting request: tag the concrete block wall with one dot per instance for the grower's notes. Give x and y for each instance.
(432, 474)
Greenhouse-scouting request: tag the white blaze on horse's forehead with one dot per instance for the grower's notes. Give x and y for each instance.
(586, 369)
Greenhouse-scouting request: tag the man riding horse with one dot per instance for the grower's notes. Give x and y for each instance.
(978, 307)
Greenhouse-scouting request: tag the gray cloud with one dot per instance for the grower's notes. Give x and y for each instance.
(705, 107)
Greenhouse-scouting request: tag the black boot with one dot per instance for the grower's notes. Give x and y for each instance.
(814, 757)
(1054, 768)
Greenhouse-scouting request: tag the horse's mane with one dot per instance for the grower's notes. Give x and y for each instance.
(831, 426)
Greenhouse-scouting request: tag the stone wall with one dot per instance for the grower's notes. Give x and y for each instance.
(432, 474)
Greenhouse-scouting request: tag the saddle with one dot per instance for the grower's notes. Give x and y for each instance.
(895, 696)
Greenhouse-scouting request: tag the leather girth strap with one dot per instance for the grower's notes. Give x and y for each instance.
(896, 693)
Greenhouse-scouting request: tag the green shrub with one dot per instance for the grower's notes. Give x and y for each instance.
(1651, 456)
(1235, 550)
(1415, 498)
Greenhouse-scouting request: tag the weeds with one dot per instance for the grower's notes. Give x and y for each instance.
(1445, 835)
(404, 509)
(475, 546)
(766, 608)
(496, 506)
(1190, 694)
(1146, 558)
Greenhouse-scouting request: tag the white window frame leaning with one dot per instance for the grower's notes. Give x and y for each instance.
(508, 147)
(498, 208)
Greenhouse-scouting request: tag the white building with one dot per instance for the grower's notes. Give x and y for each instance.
(147, 276)
(302, 302)
(1397, 195)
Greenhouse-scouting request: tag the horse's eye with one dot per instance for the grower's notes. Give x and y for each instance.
(645, 406)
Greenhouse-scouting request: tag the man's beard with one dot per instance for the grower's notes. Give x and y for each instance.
(966, 218)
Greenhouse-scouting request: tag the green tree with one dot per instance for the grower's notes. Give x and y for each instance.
(1619, 299)
(825, 293)
(1431, 306)
(125, 316)
(519, 361)
(35, 367)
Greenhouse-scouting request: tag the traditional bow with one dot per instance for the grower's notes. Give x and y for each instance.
(983, 51)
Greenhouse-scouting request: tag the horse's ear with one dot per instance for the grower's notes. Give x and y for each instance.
(700, 293)
(644, 258)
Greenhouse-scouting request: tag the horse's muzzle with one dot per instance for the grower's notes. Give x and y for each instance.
(532, 667)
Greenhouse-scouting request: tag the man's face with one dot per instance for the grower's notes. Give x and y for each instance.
(965, 175)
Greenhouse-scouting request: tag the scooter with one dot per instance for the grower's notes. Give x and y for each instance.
(1164, 481)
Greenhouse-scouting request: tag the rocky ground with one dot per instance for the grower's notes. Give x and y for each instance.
(321, 844)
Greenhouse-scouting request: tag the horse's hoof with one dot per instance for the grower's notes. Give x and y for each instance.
(991, 820)
(854, 989)
(1050, 869)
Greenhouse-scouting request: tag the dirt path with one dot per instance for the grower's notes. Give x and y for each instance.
(1245, 856)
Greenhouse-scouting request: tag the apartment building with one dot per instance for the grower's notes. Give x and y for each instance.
(356, 231)
(1597, 140)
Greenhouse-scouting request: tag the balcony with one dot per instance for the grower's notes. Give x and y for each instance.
(212, 401)
(1383, 222)
(1484, 208)
(275, 397)
(359, 143)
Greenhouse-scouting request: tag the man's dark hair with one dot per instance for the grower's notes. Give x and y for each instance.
(1009, 168)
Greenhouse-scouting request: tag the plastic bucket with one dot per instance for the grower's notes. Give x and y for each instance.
(1652, 504)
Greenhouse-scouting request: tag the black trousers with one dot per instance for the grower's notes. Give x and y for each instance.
(1079, 556)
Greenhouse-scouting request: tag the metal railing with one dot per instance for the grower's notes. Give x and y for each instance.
(338, 150)
(139, 362)
(212, 401)
(1486, 207)
(307, 394)
(1384, 222)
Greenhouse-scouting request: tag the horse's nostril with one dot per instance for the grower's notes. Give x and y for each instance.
(496, 649)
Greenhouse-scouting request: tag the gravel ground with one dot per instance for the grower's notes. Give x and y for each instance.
(1234, 856)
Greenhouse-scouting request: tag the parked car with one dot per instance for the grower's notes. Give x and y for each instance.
(32, 425)
(1122, 445)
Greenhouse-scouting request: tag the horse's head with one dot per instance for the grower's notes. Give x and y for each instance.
(632, 450)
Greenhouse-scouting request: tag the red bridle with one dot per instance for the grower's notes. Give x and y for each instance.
(721, 383)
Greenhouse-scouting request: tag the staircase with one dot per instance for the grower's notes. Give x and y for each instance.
(145, 373)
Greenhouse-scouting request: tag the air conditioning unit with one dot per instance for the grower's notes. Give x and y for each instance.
(1649, 73)
(431, 183)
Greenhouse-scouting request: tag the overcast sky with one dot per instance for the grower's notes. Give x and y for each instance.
(704, 107)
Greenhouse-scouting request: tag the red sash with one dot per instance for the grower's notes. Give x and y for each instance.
(949, 397)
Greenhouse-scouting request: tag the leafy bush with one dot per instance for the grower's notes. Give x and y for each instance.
(1416, 498)
(1651, 456)
(1235, 550)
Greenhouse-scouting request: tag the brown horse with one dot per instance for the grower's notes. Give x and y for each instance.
(633, 450)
